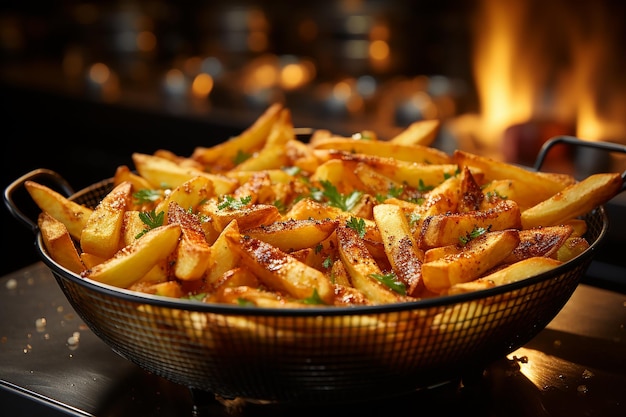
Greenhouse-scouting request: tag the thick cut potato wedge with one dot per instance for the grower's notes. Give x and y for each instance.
(192, 253)
(362, 267)
(512, 273)
(447, 229)
(73, 215)
(478, 256)
(163, 173)
(421, 132)
(103, 231)
(291, 234)
(222, 257)
(540, 241)
(571, 248)
(131, 263)
(385, 149)
(123, 173)
(223, 155)
(400, 246)
(59, 243)
(281, 271)
(573, 201)
(247, 217)
(188, 195)
(538, 185)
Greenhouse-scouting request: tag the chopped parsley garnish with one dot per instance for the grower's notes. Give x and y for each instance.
(314, 298)
(345, 202)
(146, 196)
(391, 281)
(357, 224)
(152, 220)
(293, 170)
(245, 303)
(476, 232)
(422, 187)
(231, 203)
(240, 157)
(414, 218)
(328, 262)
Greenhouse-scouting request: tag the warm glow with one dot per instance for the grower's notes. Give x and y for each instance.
(506, 84)
(293, 76)
(99, 73)
(146, 41)
(379, 50)
(202, 85)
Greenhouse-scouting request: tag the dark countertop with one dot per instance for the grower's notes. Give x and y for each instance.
(574, 367)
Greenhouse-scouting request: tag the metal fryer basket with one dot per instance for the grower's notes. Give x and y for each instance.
(320, 354)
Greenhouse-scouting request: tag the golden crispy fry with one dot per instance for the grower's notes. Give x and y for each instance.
(573, 201)
(248, 216)
(541, 241)
(385, 149)
(163, 173)
(571, 248)
(281, 271)
(74, 216)
(400, 246)
(123, 173)
(476, 257)
(131, 263)
(538, 185)
(447, 229)
(188, 195)
(192, 252)
(362, 267)
(223, 156)
(103, 231)
(59, 243)
(421, 132)
(222, 257)
(515, 272)
(291, 234)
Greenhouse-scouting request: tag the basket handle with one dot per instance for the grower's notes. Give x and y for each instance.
(41, 175)
(572, 140)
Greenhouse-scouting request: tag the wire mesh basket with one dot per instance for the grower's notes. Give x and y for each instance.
(320, 354)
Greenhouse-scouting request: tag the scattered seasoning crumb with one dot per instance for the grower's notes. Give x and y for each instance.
(582, 389)
(40, 324)
(587, 374)
(11, 284)
(73, 340)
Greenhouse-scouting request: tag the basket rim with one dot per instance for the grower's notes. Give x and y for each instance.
(311, 311)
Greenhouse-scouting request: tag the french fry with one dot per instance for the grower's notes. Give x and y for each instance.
(421, 132)
(447, 229)
(59, 243)
(73, 215)
(187, 195)
(512, 273)
(400, 246)
(281, 271)
(386, 149)
(131, 263)
(222, 257)
(291, 234)
(163, 173)
(362, 268)
(253, 138)
(103, 230)
(571, 248)
(477, 257)
(573, 201)
(538, 185)
(192, 252)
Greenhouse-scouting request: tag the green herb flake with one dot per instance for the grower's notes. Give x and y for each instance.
(152, 220)
(335, 198)
(476, 232)
(357, 224)
(314, 299)
(391, 281)
(240, 157)
(146, 196)
(229, 202)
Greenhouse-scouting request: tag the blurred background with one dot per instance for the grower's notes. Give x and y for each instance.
(83, 84)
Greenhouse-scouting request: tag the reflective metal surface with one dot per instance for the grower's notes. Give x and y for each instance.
(51, 364)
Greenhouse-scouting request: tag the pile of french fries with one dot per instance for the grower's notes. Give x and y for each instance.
(265, 219)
